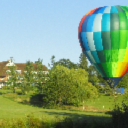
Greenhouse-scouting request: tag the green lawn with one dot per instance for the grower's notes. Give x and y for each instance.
(13, 109)
(106, 101)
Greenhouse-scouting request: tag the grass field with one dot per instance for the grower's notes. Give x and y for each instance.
(107, 101)
(11, 108)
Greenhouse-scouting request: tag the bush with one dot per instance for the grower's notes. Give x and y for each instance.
(4, 87)
(32, 122)
(120, 116)
(68, 87)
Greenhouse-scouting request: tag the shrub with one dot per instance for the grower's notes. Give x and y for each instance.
(120, 116)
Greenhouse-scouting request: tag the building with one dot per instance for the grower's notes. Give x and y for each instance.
(20, 68)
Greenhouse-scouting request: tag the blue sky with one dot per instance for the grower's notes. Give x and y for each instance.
(32, 29)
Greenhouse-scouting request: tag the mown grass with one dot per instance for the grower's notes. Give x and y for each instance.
(13, 108)
(10, 107)
(107, 101)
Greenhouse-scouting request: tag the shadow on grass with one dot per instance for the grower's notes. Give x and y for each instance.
(80, 120)
(6, 92)
(35, 100)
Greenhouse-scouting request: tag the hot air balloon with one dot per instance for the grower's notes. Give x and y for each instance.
(103, 36)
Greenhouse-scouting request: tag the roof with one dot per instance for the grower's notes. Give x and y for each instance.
(19, 66)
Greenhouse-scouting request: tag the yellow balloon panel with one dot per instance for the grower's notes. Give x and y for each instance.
(126, 56)
(118, 69)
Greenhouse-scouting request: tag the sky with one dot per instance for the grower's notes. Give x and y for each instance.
(32, 29)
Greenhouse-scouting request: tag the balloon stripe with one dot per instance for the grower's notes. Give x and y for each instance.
(106, 40)
(88, 56)
(95, 56)
(102, 69)
(101, 56)
(126, 56)
(105, 24)
(97, 23)
(89, 26)
(126, 10)
(107, 67)
(84, 25)
(107, 9)
(91, 57)
(113, 9)
(99, 70)
(125, 68)
(81, 42)
(97, 10)
(114, 22)
(114, 55)
(123, 39)
(115, 39)
(123, 21)
(119, 9)
(121, 55)
(108, 55)
(92, 11)
(97, 41)
(84, 40)
(101, 10)
(114, 67)
(81, 22)
(91, 41)
(118, 70)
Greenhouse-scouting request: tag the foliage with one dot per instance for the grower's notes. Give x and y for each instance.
(92, 77)
(84, 119)
(40, 76)
(67, 63)
(63, 62)
(120, 116)
(124, 82)
(13, 77)
(53, 60)
(30, 121)
(67, 86)
(83, 63)
(28, 77)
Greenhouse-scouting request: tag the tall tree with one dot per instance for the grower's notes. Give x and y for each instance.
(40, 76)
(83, 63)
(28, 77)
(53, 60)
(13, 76)
(124, 82)
(93, 77)
(67, 63)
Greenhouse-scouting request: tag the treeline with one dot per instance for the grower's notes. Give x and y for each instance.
(66, 83)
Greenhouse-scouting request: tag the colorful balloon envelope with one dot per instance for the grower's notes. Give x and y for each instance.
(103, 36)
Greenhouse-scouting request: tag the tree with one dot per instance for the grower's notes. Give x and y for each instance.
(28, 77)
(93, 75)
(83, 63)
(124, 82)
(53, 60)
(40, 76)
(67, 86)
(67, 63)
(13, 77)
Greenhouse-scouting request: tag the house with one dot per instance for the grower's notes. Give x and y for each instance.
(20, 68)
